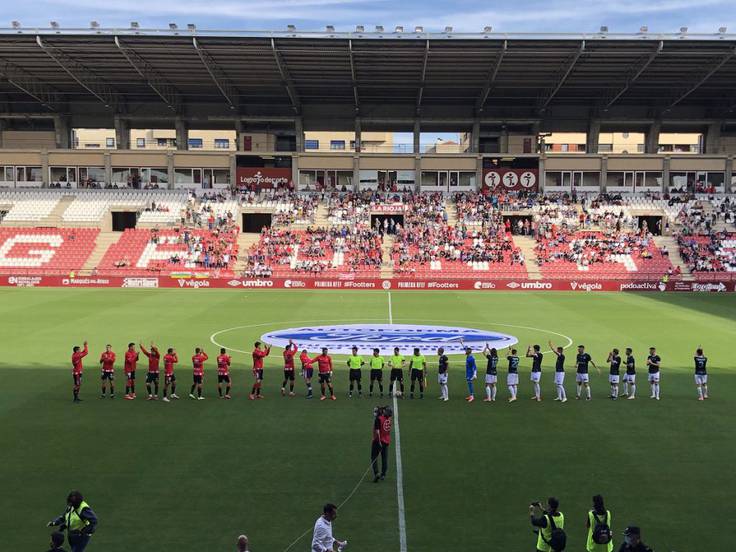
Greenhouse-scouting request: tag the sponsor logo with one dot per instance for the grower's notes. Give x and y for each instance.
(528, 179)
(260, 179)
(513, 285)
(140, 282)
(341, 338)
(411, 285)
(86, 282)
(586, 286)
(717, 287)
(359, 285)
(443, 285)
(24, 281)
(386, 284)
(294, 284)
(233, 283)
(193, 283)
(257, 283)
(536, 285)
(484, 285)
(639, 286)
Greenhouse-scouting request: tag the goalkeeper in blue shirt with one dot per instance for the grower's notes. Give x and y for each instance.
(471, 373)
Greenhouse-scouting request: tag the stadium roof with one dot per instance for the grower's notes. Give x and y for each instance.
(221, 75)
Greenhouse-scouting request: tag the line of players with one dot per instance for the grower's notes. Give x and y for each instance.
(416, 363)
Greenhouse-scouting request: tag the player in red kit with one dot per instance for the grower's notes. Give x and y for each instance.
(77, 355)
(154, 357)
(324, 364)
(198, 360)
(170, 359)
(131, 358)
(223, 373)
(307, 371)
(289, 353)
(107, 360)
(258, 356)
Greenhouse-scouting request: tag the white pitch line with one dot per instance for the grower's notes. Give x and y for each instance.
(399, 469)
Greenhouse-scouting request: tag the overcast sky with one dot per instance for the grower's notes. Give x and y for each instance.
(466, 15)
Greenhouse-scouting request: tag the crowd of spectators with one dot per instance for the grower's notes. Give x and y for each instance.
(215, 248)
(713, 252)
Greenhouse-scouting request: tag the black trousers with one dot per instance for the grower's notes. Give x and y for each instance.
(378, 448)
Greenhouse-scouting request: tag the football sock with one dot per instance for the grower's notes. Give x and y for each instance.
(219, 390)
(561, 392)
(537, 390)
(633, 390)
(705, 390)
(488, 391)
(493, 392)
(587, 391)
(227, 390)
(199, 391)
(470, 388)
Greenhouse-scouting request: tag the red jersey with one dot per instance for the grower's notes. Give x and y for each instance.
(324, 362)
(77, 360)
(289, 353)
(107, 359)
(258, 356)
(169, 361)
(382, 430)
(223, 365)
(306, 361)
(198, 363)
(153, 359)
(131, 357)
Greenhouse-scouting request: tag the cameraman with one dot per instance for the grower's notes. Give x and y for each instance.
(542, 521)
(381, 440)
(79, 521)
(632, 541)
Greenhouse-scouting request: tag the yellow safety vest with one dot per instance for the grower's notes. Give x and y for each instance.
(72, 520)
(545, 533)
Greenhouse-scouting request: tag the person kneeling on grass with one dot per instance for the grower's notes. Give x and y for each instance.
(78, 520)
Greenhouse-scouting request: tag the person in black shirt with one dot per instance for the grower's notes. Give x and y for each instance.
(491, 373)
(632, 541)
(512, 378)
(536, 355)
(701, 374)
(614, 359)
(443, 363)
(653, 362)
(559, 373)
(582, 378)
(630, 375)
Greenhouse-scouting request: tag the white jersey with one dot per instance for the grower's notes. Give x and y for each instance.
(322, 539)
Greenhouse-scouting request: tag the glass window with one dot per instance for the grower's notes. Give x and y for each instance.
(91, 145)
(96, 174)
(337, 144)
(222, 143)
(194, 143)
(221, 176)
(33, 174)
(9, 177)
(159, 176)
(58, 174)
(120, 175)
(311, 144)
(467, 179)
(183, 176)
(345, 178)
(109, 142)
(429, 179)
(140, 142)
(605, 148)
(564, 147)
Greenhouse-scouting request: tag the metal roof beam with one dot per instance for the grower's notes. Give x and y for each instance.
(569, 66)
(490, 81)
(81, 75)
(636, 73)
(420, 93)
(697, 84)
(28, 84)
(218, 76)
(354, 77)
(165, 90)
(286, 79)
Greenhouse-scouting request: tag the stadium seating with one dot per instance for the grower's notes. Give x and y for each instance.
(709, 255)
(29, 205)
(90, 206)
(45, 251)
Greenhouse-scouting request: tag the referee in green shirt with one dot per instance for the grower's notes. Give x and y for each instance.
(355, 363)
(377, 364)
(418, 366)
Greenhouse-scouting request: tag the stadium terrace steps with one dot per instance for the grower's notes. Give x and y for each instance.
(451, 210)
(55, 217)
(105, 240)
(320, 217)
(245, 242)
(674, 253)
(387, 270)
(527, 245)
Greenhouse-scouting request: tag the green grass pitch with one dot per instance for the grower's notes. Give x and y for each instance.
(193, 475)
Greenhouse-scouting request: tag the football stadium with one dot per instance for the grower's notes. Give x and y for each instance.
(464, 289)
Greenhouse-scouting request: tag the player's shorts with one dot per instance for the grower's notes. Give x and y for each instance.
(308, 373)
(512, 379)
(325, 378)
(376, 374)
(108, 376)
(536, 377)
(701, 379)
(630, 378)
(355, 374)
(130, 375)
(196, 378)
(442, 378)
(289, 375)
(491, 378)
(653, 378)
(613, 379)
(258, 374)
(397, 374)
(559, 378)
(223, 378)
(151, 377)
(582, 378)
(169, 378)
(417, 374)
(77, 379)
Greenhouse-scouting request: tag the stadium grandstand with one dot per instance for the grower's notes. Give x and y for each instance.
(244, 156)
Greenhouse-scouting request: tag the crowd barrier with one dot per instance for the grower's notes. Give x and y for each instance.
(203, 281)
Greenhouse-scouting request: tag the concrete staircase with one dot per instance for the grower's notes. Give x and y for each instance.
(245, 242)
(104, 241)
(674, 253)
(451, 209)
(527, 244)
(320, 216)
(387, 270)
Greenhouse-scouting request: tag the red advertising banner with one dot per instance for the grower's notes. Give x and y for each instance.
(389, 208)
(261, 177)
(511, 179)
(401, 284)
